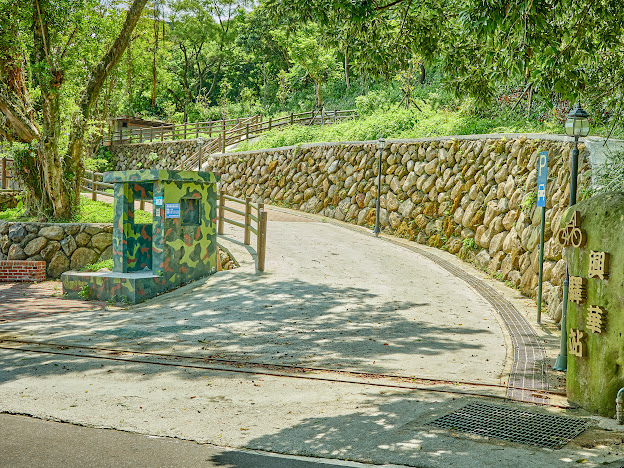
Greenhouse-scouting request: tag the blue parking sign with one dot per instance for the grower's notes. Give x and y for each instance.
(542, 175)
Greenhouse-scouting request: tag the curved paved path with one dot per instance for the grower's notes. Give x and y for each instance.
(333, 296)
(330, 297)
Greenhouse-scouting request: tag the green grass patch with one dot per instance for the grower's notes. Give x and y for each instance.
(99, 265)
(402, 123)
(90, 212)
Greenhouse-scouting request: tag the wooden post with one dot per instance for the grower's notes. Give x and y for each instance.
(93, 187)
(247, 220)
(141, 135)
(185, 125)
(223, 136)
(196, 129)
(270, 120)
(335, 113)
(291, 118)
(4, 175)
(247, 132)
(322, 117)
(221, 212)
(142, 204)
(261, 238)
(151, 134)
(162, 133)
(210, 129)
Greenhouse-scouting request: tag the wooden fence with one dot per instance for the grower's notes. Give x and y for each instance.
(216, 128)
(260, 218)
(251, 213)
(8, 181)
(254, 126)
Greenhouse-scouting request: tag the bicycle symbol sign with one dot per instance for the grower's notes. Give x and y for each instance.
(572, 234)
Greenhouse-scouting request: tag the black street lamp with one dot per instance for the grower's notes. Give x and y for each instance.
(381, 144)
(577, 125)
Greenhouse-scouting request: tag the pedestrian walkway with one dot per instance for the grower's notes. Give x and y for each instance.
(346, 347)
(20, 301)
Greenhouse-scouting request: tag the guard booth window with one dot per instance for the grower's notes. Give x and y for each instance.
(189, 208)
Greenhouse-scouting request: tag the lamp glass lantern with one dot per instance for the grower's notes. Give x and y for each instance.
(577, 123)
(200, 141)
(381, 143)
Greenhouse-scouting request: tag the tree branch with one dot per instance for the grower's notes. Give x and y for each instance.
(389, 5)
(97, 79)
(17, 116)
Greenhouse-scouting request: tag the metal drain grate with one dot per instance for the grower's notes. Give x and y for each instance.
(498, 422)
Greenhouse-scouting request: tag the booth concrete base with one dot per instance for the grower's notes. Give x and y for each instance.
(131, 287)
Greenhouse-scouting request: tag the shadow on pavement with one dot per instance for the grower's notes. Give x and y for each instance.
(291, 322)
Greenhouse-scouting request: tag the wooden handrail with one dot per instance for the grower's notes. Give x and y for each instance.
(219, 134)
(8, 181)
(260, 222)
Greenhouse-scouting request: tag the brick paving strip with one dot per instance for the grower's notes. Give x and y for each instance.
(27, 300)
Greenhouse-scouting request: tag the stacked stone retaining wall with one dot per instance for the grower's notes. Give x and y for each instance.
(474, 197)
(63, 247)
(156, 155)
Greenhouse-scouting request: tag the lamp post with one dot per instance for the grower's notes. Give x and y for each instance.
(577, 125)
(381, 144)
(200, 144)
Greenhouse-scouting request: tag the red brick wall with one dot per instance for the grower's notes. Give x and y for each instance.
(22, 270)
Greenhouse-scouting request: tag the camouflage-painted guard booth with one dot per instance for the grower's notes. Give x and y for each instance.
(179, 246)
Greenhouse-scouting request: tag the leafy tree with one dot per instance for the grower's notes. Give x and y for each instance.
(305, 50)
(564, 47)
(46, 51)
(203, 31)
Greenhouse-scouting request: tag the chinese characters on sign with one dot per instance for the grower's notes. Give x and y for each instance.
(596, 321)
(577, 289)
(576, 342)
(598, 265)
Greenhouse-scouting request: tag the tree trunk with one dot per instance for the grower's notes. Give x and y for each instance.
(319, 101)
(214, 78)
(154, 70)
(92, 91)
(346, 66)
(53, 180)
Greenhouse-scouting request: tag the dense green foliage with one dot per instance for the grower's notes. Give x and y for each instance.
(412, 67)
